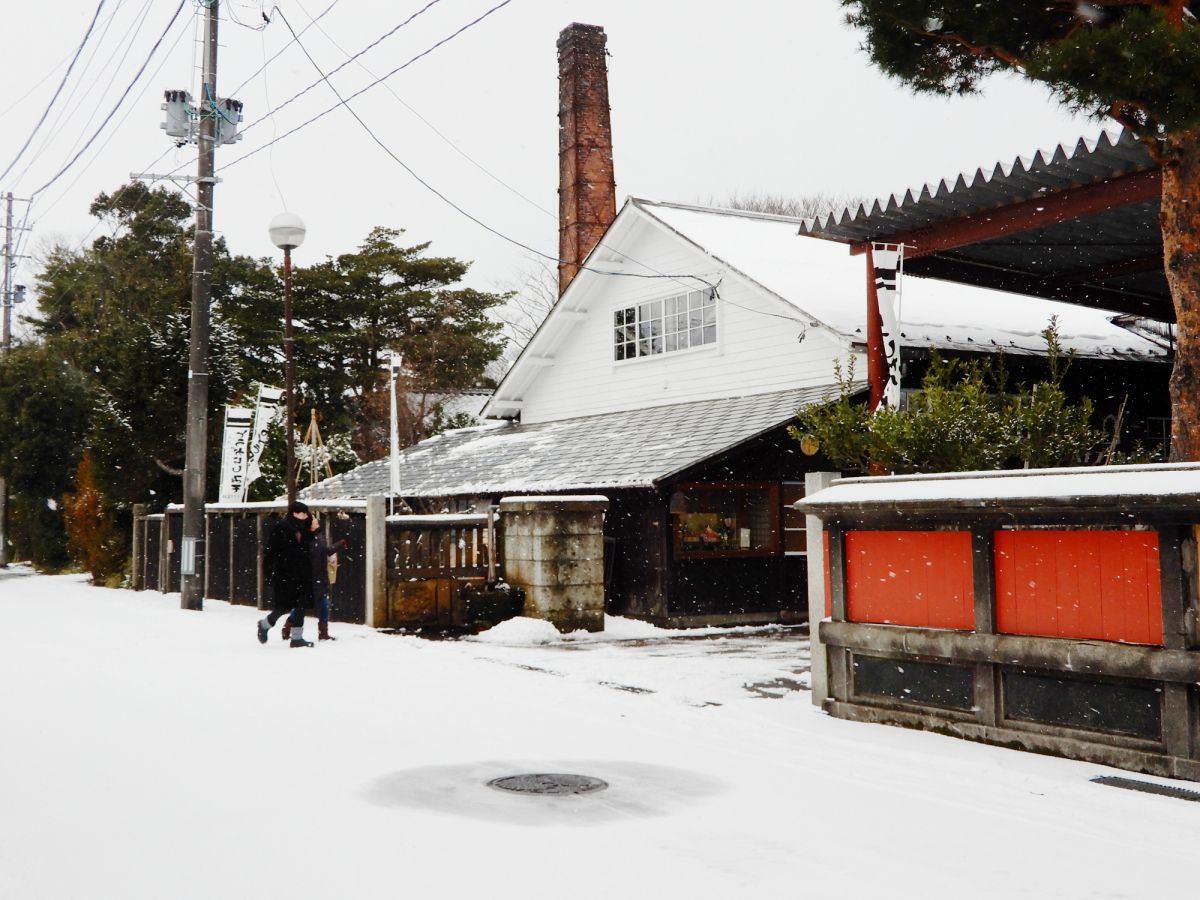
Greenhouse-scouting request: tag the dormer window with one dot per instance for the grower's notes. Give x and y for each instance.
(664, 326)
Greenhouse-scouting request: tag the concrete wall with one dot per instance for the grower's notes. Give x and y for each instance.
(554, 551)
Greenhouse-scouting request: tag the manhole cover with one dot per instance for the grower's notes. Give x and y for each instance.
(1131, 784)
(548, 784)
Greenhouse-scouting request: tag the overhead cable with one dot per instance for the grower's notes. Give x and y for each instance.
(108, 118)
(66, 75)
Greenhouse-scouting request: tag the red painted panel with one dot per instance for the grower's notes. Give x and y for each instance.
(1092, 584)
(828, 579)
(920, 578)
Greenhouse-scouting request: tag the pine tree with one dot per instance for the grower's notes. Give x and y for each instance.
(1136, 62)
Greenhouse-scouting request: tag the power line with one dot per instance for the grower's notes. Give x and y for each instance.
(113, 133)
(95, 107)
(374, 43)
(78, 50)
(237, 90)
(116, 106)
(453, 146)
(83, 83)
(439, 194)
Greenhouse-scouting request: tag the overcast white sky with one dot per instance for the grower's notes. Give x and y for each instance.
(707, 98)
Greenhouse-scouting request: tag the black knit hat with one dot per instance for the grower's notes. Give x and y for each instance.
(297, 506)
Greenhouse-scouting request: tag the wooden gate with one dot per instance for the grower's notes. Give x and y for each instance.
(440, 569)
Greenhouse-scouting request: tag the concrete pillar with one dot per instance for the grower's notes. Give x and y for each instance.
(554, 551)
(813, 482)
(376, 563)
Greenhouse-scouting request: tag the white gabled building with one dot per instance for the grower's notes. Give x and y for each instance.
(765, 311)
(665, 378)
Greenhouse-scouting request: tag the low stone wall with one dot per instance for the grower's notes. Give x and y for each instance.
(554, 551)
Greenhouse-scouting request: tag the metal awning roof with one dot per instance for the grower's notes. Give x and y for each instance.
(1078, 225)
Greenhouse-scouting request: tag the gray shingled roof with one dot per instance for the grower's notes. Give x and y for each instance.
(632, 449)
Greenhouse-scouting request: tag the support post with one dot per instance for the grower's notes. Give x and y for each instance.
(260, 584)
(376, 611)
(137, 567)
(814, 536)
(289, 351)
(191, 586)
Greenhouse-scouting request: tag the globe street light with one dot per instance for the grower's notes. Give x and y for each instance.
(287, 233)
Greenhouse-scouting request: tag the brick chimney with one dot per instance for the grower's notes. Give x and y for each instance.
(587, 191)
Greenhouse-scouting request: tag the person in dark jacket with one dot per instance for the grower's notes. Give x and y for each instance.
(287, 570)
(320, 554)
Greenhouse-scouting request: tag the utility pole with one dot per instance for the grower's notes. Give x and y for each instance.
(11, 296)
(193, 550)
(5, 342)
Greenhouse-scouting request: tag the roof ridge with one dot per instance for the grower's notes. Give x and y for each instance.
(723, 211)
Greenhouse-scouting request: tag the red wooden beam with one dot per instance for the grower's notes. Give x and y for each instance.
(1027, 215)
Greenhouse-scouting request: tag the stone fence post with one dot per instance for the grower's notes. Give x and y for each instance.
(554, 551)
(814, 531)
(376, 588)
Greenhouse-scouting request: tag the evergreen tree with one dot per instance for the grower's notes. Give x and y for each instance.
(1133, 61)
(351, 312)
(120, 310)
(45, 410)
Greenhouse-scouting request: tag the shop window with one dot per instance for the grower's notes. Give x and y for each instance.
(795, 538)
(722, 519)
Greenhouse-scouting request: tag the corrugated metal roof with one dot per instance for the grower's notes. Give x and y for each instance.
(1092, 260)
(1024, 179)
(634, 449)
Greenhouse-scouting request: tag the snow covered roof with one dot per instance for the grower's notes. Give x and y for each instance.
(820, 278)
(1166, 487)
(633, 449)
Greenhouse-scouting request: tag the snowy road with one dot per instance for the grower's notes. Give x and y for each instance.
(147, 752)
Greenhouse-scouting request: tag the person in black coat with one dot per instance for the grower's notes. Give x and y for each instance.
(287, 571)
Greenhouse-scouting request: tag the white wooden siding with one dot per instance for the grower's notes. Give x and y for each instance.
(757, 349)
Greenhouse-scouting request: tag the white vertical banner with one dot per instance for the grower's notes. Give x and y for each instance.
(266, 411)
(235, 454)
(394, 433)
(889, 267)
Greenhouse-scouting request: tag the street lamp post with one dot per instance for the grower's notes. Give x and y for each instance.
(287, 233)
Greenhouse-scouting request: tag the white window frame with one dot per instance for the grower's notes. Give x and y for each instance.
(655, 328)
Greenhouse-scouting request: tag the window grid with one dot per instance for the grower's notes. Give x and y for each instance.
(664, 326)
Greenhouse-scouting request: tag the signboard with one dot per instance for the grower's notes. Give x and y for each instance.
(266, 411)
(235, 454)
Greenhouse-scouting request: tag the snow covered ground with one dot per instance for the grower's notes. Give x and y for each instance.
(147, 752)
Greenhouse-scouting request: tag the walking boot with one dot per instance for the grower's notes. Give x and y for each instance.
(287, 631)
(298, 639)
(263, 628)
(323, 632)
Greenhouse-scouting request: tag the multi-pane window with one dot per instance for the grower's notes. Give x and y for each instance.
(663, 326)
